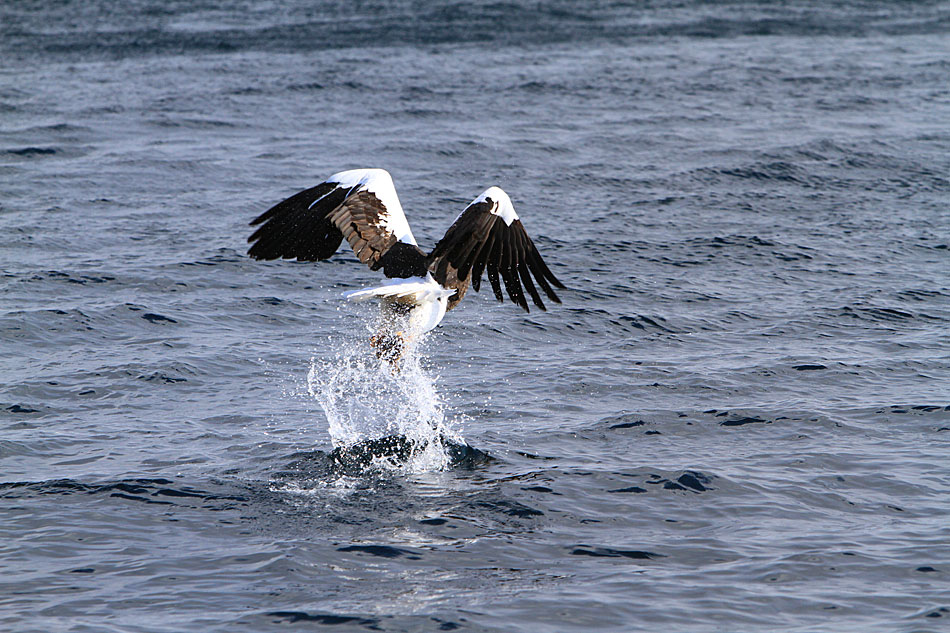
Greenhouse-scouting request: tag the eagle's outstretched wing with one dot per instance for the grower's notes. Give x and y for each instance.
(360, 205)
(488, 236)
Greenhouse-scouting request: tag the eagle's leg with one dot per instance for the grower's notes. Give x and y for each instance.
(393, 335)
(389, 346)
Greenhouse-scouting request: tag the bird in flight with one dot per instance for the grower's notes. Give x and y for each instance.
(361, 205)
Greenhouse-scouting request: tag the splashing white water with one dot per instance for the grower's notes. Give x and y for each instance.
(365, 399)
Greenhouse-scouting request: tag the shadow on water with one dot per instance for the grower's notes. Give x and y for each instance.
(377, 456)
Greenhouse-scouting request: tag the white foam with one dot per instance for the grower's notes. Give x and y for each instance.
(364, 399)
(380, 183)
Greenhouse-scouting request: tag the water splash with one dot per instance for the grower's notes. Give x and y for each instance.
(366, 400)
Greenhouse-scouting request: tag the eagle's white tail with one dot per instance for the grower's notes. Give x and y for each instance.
(417, 289)
(409, 306)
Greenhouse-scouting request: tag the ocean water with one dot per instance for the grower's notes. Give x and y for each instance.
(737, 420)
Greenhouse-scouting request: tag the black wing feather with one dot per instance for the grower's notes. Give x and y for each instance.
(546, 272)
(510, 271)
(481, 241)
(310, 225)
(539, 269)
(481, 260)
(526, 280)
(293, 229)
(493, 258)
(478, 239)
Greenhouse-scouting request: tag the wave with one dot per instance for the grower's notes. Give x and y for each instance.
(156, 491)
(102, 28)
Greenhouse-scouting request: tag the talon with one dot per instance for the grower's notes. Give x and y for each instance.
(389, 347)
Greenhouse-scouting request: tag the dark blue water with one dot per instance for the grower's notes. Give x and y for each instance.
(738, 420)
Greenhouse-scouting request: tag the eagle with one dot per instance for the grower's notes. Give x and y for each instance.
(361, 206)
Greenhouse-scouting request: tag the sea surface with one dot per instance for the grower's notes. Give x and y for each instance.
(737, 420)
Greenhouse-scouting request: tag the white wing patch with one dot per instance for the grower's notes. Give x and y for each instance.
(502, 204)
(380, 184)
